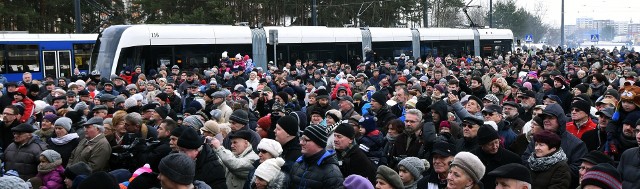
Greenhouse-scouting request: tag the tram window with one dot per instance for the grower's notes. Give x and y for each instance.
(82, 54)
(2, 59)
(23, 58)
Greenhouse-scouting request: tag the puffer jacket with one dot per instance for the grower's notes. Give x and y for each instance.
(318, 171)
(573, 147)
(24, 158)
(238, 167)
(95, 152)
(209, 169)
(53, 179)
(629, 167)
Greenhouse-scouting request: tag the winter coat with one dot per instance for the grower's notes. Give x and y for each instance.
(573, 147)
(225, 111)
(64, 146)
(406, 145)
(28, 109)
(209, 169)
(375, 142)
(6, 135)
(155, 153)
(493, 161)
(318, 171)
(595, 139)
(238, 167)
(579, 132)
(516, 124)
(290, 153)
(507, 136)
(95, 152)
(384, 116)
(53, 179)
(629, 167)
(24, 158)
(354, 161)
(556, 177)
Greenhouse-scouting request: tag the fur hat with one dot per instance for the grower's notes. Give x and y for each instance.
(415, 166)
(269, 169)
(178, 168)
(471, 164)
(387, 174)
(273, 147)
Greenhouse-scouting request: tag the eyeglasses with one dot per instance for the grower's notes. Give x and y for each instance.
(263, 151)
(487, 114)
(470, 126)
(5, 113)
(304, 140)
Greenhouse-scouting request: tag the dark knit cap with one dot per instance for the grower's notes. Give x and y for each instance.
(486, 134)
(317, 134)
(178, 168)
(149, 106)
(284, 96)
(379, 97)
(596, 157)
(603, 175)
(80, 168)
(240, 116)
(548, 137)
(389, 175)
(289, 124)
(99, 180)
(346, 130)
(582, 106)
(582, 88)
(162, 111)
(177, 132)
(190, 139)
(512, 171)
(243, 134)
(163, 96)
(322, 93)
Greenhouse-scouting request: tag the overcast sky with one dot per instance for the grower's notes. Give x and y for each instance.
(617, 10)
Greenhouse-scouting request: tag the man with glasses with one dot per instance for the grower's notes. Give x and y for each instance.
(470, 126)
(10, 116)
(317, 168)
(494, 113)
(409, 143)
(94, 149)
(511, 111)
(581, 121)
(23, 155)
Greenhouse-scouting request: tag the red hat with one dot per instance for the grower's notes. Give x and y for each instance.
(264, 123)
(445, 124)
(22, 90)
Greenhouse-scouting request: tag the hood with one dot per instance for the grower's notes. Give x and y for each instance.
(441, 109)
(326, 157)
(556, 110)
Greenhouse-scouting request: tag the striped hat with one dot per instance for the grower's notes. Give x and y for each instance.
(317, 134)
(603, 175)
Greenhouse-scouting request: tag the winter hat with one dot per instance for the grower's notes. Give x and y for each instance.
(265, 122)
(582, 87)
(189, 139)
(317, 134)
(162, 111)
(415, 166)
(239, 116)
(64, 122)
(582, 106)
(486, 134)
(512, 171)
(379, 97)
(273, 147)
(39, 106)
(13, 182)
(596, 157)
(49, 109)
(196, 105)
(269, 169)
(130, 102)
(80, 168)
(177, 132)
(548, 137)
(322, 93)
(387, 174)
(121, 175)
(284, 96)
(118, 100)
(178, 168)
(440, 88)
(193, 121)
(346, 130)
(357, 96)
(80, 107)
(527, 85)
(51, 155)
(22, 91)
(146, 168)
(445, 124)
(99, 180)
(211, 126)
(334, 114)
(368, 122)
(143, 181)
(289, 124)
(471, 164)
(411, 103)
(50, 117)
(357, 182)
(603, 175)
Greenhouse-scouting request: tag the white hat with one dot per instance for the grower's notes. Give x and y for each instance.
(269, 169)
(273, 147)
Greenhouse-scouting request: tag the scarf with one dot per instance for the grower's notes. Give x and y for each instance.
(45, 168)
(64, 139)
(544, 163)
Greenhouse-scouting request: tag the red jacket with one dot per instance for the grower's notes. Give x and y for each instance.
(578, 132)
(28, 109)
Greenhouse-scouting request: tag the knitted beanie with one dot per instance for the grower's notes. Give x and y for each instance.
(64, 122)
(486, 134)
(357, 182)
(289, 124)
(471, 164)
(582, 106)
(193, 121)
(603, 175)
(178, 168)
(368, 122)
(264, 122)
(49, 109)
(269, 169)
(50, 117)
(13, 182)
(415, 166)
(189, 139)
(80, 168)
(162, 111)
(51, 155)
(130, 102)
(273, 147)
(239, 116)
(80, 107)
(379, 97)
(177, 132)
(346, 130)
(387, 174)
(317, 134)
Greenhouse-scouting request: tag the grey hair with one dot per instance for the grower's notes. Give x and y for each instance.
(415, 112)
(134, 118)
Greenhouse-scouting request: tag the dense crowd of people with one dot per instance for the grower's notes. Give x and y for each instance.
(532, 118)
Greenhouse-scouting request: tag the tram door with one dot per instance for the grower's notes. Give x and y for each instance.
(57, 63)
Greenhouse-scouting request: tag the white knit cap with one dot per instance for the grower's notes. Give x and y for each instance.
(271, 146)
(130, 102)
(492, 124)
(269, 169)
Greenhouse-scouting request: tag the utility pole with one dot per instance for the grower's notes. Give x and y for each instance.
(562, 25)
(490, 13)
(314, 12)
(425, 13)
(76, 6)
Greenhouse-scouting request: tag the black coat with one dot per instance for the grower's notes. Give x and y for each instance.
(290, 153)
(209, 169)
(493, 161)
(384, 116)
(628, 168)
(401, 149)
(594, 139)
(64, 150)
(319, 171)
(155, 153)
(6, 133)
(354, 161)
